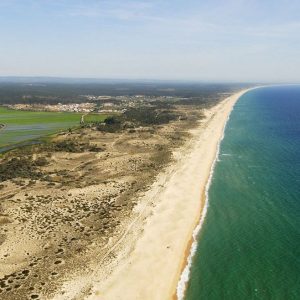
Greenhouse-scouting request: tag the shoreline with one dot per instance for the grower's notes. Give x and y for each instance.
(179, 294)
(148, 259)
(170, 214)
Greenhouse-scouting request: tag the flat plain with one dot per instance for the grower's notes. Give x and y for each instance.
(20, 126)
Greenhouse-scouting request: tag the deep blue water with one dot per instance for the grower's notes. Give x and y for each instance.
(249, 245)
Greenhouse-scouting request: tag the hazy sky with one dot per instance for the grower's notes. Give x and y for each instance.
(238, 40)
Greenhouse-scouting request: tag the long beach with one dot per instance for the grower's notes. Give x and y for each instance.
(151, 269)
(148, 260)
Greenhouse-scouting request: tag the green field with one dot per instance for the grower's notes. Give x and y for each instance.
(94, 118)
(22, 126)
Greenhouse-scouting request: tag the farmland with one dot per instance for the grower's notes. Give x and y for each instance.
(21, 126)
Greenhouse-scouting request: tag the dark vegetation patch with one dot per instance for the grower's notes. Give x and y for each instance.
(136, 117)
(24, 167)
(110, 124)
(66, 146)
(149, 116)
(70, 146)
(204, 102)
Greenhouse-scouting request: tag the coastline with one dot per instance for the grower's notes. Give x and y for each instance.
(192, 247)
(169, 220)
(148, 259)
(153, 268)
(210, 263)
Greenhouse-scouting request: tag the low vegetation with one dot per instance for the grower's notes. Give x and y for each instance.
(70, 146)
(145, 116)
(21, 167)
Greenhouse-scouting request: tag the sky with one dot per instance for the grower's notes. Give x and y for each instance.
(205, 40)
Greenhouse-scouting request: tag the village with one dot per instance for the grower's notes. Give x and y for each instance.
(96, 104)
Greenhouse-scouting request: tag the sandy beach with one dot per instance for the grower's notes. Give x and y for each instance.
(154, 250)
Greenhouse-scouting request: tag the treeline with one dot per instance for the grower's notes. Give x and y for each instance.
(53, 92)
(135, 117)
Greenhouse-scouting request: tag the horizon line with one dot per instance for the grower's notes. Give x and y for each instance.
(170, 80)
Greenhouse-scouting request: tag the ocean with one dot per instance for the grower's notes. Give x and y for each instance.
(249, 244)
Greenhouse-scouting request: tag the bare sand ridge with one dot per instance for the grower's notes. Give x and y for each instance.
(151, 269)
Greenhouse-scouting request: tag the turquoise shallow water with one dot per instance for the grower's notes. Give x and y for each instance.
(249, 245)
